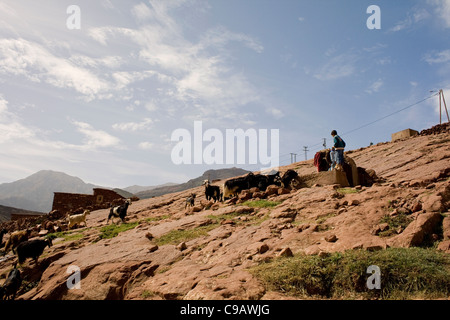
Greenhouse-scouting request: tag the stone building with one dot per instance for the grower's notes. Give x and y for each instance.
(65, 202)
(404, 134)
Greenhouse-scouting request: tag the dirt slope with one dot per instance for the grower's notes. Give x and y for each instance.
(232, 237)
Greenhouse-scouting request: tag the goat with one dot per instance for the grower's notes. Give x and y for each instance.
(11, 285)
(2, 233)
(32, 249)
(119, 211)
(232, 187)
(190, 200)
(78, 219)
(288, 177)
(16, 238)
(212, 192)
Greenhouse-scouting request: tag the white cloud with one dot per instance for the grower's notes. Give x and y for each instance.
(442, 9)
(146, 146)
(133, 126)
(10, 127)
(190, 73)
(438, 57)
(274, 112)
(415, 16)
(96, 138)
(375, 87)
(141, 12)
(337, 67)
(20, 57)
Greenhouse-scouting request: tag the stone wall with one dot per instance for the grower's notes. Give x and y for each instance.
(403, 134)
(66, 202)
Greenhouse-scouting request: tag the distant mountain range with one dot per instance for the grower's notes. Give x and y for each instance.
(136, 189)
(35, 193)
(6, 212)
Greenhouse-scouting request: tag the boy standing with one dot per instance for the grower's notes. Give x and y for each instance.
(339, 146)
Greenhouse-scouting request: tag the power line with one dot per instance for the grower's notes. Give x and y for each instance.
(391, 114)
(321, 144)
(379, 119)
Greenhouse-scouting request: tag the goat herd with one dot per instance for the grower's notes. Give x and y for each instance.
(20, 244)
(232, 187)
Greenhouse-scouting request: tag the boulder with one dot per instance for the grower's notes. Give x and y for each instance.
(331, 238)
(417, 231)
(279, 213)
(282, 191)
(271, 190)
(444, 246)
(259, 194)
(245, 195)
(182, 246)
(285, 252)
(446, 228)
(433, 203)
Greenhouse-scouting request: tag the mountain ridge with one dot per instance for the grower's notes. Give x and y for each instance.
(35, 192)
(212, 174)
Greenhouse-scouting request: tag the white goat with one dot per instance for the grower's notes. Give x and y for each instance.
(78, 218)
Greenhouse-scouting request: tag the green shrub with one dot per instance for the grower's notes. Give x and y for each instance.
(398, 221)
(112, 230)
(347, 190)
(261, 203)
(406, 273)
(177, 236)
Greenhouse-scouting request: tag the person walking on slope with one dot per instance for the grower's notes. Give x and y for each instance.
(339, 146)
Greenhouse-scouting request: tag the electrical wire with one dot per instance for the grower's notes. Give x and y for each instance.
(315, 147)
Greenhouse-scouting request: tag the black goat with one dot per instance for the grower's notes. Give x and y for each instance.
(288, 177)
(119, 211)
(32, 249)
(212, 192)
(11, 285)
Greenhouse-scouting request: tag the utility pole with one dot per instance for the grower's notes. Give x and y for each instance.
(306, 152)
(442, 99)
(324, 143)
(293, 157)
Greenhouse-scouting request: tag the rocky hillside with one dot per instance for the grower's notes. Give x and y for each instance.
(167, 251)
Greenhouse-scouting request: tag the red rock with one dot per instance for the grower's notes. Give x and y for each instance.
(271, 190)
(285, 252)
(263, 248)
(282, 191)
(331, 238)
(433, 203)
(446, 228)
(417, 230)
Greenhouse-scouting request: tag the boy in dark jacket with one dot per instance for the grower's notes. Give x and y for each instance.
(339, 146)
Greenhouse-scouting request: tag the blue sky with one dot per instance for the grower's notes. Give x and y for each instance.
(101, 102)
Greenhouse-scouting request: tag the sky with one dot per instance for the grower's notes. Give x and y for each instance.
(98, 90)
